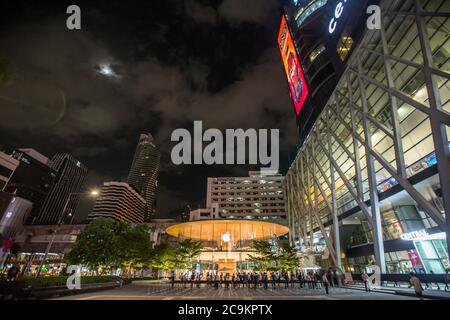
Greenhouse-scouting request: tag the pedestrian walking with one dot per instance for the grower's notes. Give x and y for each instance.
(325, 282)
(447, 279)
(365, 279)
(414, 281)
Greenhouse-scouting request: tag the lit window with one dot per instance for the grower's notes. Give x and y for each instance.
(344, 47)
(316, 52)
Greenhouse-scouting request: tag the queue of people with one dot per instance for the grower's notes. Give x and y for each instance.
(255, 280)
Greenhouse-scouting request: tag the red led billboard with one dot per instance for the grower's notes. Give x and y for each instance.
(292, 66)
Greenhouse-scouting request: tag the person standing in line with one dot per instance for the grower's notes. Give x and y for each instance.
(330, 277)
(318, 280)
(265, 280)
(308, 280)
(447, 279)
(193, 276)
(273, 279)
(286, 280)
(415, 282)
(173, 279)
(365, 279)
(216, 280)
(325, 282)
(208, 280)
(313, 280)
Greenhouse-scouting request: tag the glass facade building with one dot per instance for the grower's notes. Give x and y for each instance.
(375, 167)
(143, 175)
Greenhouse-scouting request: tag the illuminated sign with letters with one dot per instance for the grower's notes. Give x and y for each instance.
(293, 69)
(337, 14)
(414, 235)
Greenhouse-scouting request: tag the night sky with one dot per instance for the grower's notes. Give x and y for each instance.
(172, 62)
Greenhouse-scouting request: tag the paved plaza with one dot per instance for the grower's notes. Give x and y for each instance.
(150, 291)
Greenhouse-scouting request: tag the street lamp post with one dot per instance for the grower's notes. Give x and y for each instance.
(93, 193)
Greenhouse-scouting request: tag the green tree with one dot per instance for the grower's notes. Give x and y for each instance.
(186, 252)
(287, 258)
(106, 243)
(269, 258)
(97, 245)
(134, 246)
(265, 260)
(163, 257)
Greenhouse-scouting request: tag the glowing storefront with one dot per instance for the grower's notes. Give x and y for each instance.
(226, 243)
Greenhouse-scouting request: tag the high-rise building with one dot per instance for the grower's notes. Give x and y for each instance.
(14, 212)
(258, 196)
(70, 175)
(32, 179)
(371, 178)
(119, 201)
(7, 166)
(144, 172)
(315, 58)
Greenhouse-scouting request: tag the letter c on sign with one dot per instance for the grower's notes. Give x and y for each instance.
(332, 26)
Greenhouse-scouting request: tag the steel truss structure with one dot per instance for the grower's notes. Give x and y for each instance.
(363, 137)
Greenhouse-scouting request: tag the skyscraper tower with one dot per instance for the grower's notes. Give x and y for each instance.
(144, 172)
(70, 175)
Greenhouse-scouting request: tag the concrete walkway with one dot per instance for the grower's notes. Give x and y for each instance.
(407, 292)
(150, 291)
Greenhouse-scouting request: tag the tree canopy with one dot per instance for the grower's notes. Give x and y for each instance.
(274, 258)
(106, 243)
(109, 243)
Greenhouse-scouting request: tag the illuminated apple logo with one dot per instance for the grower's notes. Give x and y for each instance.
(226, 237)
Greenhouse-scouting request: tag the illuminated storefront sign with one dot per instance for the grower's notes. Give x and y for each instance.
(414, 235)
(293, 69)
(340, 6)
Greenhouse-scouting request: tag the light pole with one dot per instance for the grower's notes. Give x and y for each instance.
(93, 193)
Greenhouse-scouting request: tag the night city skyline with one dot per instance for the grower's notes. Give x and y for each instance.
(94, 91)
(191, 152)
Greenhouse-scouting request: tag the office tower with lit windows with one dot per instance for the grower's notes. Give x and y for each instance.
(371, 179)
(68, 182)
(144, 173)
(258, 196)
(119, 201)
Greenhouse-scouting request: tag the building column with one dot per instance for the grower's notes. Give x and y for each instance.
(374, 206)
(334, 214)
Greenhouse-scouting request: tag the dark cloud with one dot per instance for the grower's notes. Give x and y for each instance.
(176, 62)
(257, 11)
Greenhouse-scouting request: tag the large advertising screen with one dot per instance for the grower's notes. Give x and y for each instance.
(293, 69)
